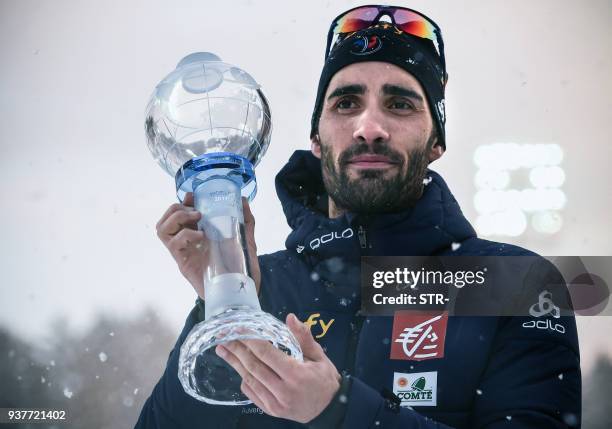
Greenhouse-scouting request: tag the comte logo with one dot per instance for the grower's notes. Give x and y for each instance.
(418, 335)
(419, 385)
(419, 389)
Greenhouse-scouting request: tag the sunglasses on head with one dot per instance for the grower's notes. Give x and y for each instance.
(407, 20)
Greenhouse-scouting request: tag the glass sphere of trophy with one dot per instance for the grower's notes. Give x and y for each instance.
(208, 124)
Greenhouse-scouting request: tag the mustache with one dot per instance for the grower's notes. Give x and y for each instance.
(378, 148)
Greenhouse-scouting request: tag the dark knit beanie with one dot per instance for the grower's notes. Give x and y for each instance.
(386, 43)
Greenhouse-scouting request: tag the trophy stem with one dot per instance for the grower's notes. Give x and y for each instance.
(227, 279)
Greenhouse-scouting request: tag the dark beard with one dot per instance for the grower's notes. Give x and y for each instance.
(372, 192)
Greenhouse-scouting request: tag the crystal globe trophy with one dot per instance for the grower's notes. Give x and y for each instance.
(208, 125)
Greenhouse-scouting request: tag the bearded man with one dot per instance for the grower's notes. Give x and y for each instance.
(365, 185)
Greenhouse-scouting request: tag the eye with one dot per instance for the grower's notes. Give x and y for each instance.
(346, 103)
(402, 105)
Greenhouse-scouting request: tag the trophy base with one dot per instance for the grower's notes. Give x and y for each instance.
(208, 378)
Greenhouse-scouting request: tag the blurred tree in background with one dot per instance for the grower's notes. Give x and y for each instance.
(597, 396)
(103, 376)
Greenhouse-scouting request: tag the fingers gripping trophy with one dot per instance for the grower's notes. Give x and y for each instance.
(208, 124)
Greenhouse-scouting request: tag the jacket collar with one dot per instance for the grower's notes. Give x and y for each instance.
(430, 227)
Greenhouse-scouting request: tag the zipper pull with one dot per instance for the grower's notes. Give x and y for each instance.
(361, 233)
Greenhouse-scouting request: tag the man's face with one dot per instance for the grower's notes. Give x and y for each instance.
(375, 138)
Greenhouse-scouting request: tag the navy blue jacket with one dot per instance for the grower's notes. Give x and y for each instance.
(494, 373)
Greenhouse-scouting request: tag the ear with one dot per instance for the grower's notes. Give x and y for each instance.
(315, 146)
(435, 152)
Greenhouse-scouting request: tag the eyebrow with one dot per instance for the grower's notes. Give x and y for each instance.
(387, 89)
(401, 91)
(346, 90)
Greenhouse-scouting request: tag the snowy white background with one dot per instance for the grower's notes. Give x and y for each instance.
(80, 193)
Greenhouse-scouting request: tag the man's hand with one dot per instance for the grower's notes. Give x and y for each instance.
(280, 385)
(178, 230)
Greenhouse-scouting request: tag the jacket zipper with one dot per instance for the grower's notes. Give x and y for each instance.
(358, 319)
(361, 233)
(351, 349)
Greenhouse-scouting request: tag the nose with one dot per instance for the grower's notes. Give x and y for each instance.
(370, 128)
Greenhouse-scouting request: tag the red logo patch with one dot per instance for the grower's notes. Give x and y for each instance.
(418, 335)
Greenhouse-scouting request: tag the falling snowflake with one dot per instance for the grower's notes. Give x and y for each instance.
(103, 357)
(335, 264)
(43, 380)
(344, 302)
(343, 399)
(112, 334)
(508, 418)
(402, 286)
(560, 376)
(570, 419)
(314, 276)
(427, 180)
(478, 392)
(455, 246)
(67, 393)
(136, 391)
(52, 363)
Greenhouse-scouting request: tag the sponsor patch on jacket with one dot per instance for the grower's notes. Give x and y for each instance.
(317, 325)
(545, 308)
(419, 389)
(418, 335)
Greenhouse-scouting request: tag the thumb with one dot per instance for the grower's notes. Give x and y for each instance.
(188, 200)
(310, 348)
